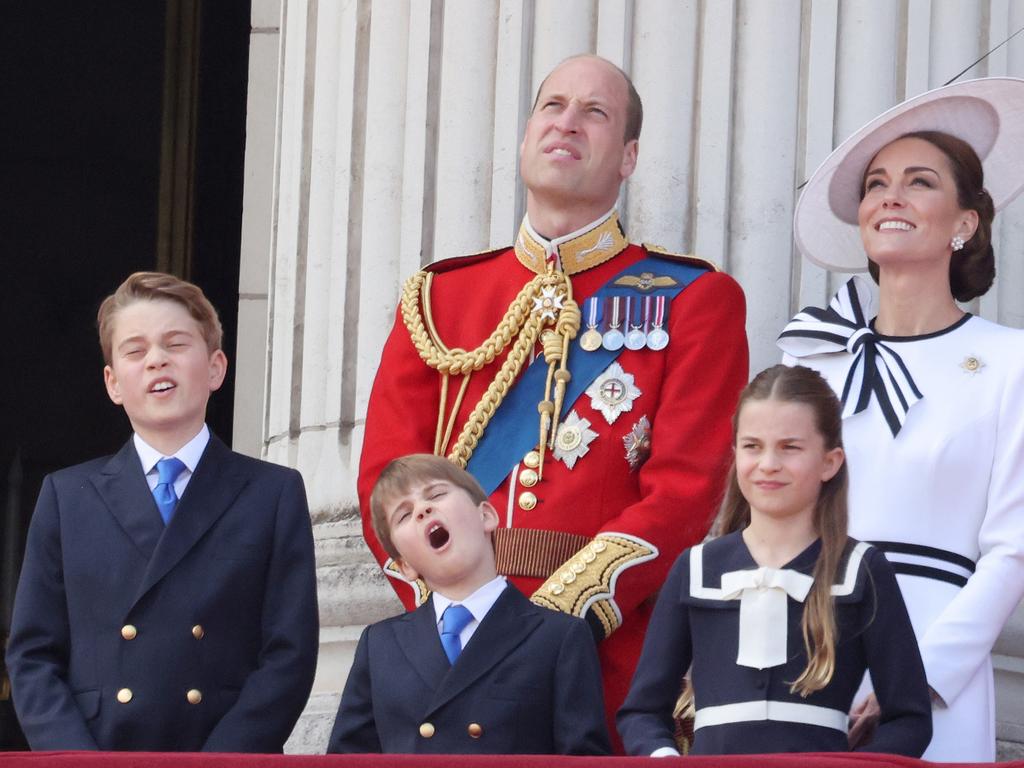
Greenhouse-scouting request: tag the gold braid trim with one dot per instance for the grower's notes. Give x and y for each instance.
(586, 581)
(526, 317)
(419, 587)
(460, 361)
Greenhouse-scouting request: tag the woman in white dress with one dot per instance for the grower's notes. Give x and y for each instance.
(933, 396)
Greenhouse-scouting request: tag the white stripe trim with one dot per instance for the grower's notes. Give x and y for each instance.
(931, 562)
(852, 567)
(510, 507)
(698, 590)
(783, 711)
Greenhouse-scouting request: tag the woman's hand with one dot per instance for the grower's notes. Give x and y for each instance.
(863, 721)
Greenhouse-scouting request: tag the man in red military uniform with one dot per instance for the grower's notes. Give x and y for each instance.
(587, 382)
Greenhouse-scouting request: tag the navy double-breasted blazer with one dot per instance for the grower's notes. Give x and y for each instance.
(199, 636)
(527, 682)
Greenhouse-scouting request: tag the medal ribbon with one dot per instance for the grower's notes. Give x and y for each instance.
(633, 312)
(593, 312)
(615, 319)
(876, 369)
(659, 311)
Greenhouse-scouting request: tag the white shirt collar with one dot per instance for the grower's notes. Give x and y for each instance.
(189, 453)
(478, 603)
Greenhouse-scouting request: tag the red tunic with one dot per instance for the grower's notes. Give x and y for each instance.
(688, 393)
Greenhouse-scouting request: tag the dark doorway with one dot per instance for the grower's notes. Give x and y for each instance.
(83, 177)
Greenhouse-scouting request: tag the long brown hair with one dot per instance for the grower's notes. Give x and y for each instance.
(797, 384)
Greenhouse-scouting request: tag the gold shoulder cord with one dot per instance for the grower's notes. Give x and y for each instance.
(543, 309)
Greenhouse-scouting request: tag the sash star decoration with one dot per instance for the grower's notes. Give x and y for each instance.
(573, 439)
(876, 370)
(613, 392)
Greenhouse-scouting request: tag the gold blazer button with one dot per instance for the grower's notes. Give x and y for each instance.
(198, 631)
(475, 731)
(124, 695)
(129, 632)
(528, 477)
(427, 730)
(527, 500)
(194, 696)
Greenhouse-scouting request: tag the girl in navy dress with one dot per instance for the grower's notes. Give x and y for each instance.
(783, 613)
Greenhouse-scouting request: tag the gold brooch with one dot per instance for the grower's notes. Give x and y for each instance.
(972, 365)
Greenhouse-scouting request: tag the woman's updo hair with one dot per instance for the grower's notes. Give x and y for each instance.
(973, 268)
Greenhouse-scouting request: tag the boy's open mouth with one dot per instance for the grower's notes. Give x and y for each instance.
(438, 535)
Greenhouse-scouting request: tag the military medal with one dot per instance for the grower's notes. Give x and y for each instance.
(591, 338)
(638, 443)
(657, 337)
(613, 392)
(613, 337)
(636, 338)
(573, 439)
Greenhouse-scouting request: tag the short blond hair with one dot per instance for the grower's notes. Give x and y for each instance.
(156, 286)
(401, 475)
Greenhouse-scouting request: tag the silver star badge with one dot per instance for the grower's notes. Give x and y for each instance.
(638, 443)
(573, 439)
(613, 393)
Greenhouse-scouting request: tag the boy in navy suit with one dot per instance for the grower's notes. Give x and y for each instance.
(168, 595)
(477, 668)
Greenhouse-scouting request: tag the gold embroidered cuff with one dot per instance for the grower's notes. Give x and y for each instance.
(586, 581)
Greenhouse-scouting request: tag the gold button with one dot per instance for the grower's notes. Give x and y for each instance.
(588, 556)
(599, 547)
(427, 730)
(475, 731)
(556, 589)
(532, 459)
(124, 695)
(198, 631)
(527, 501)
(578, 567)
(567, 577)
(528, 478)
(128, 632)
(194, 696)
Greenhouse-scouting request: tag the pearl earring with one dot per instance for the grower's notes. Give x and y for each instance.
(957, 242)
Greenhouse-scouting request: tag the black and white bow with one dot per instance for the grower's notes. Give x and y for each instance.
(876, 368)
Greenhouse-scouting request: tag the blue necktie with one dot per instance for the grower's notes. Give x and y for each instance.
(166, 499)
(455, 619)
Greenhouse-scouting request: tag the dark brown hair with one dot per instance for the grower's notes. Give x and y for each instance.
(634, 107)
(401, 475)
(158, 286)
(797, 384)
(973, 268)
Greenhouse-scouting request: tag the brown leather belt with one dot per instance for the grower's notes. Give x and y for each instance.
(534, 552)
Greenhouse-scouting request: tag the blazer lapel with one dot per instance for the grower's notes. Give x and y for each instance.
(209, 493)
(417, 636)
(511, 619)
(123, 488)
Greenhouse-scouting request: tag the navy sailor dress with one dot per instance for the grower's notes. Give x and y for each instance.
(740, 627)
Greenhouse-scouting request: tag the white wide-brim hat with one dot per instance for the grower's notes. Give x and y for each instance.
(987, 113)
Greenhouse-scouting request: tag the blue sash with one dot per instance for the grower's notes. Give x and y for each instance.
(513, 430)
